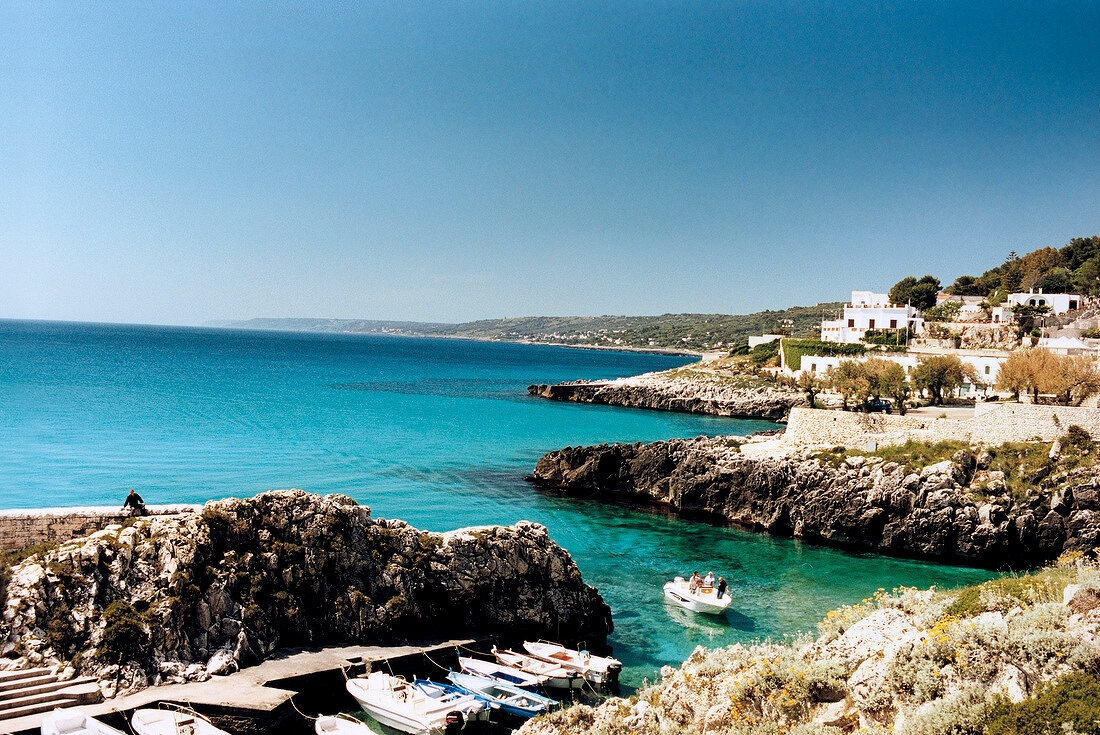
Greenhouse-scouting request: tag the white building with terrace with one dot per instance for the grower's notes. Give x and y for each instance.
(869, 311)
(1059, 303)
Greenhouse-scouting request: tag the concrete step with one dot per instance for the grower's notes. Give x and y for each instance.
(32, 698)
(34, 708)
(17, 674)
(10, 688)
(45, 687)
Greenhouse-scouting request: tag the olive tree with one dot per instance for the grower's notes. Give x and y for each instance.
(942, 374)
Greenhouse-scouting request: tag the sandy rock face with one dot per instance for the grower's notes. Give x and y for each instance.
(225, 588)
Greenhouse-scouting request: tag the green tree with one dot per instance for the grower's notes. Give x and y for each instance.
(941, 374)
(887, 378)
(920, 294)
(849, 379)
(811, 384)
(1055, 280)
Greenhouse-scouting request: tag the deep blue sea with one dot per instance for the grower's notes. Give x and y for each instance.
(437, 432)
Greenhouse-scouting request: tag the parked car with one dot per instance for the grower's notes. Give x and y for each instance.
(879, 405)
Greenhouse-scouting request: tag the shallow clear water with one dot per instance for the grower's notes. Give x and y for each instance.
(437, 432)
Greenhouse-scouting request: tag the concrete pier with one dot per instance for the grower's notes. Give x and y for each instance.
(261, 693)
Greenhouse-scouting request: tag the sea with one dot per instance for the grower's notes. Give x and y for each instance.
(438, 432)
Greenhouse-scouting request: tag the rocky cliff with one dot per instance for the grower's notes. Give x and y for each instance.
(910, 662)
(208, 592)
(956, 510)
(705, 395)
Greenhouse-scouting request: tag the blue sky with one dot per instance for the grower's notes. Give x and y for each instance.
(446, 161)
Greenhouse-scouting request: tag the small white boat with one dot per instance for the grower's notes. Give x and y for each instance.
(398, 704)
(557, 676)
(597, 669)
(171, 722)
(340, 725)
(703, 600)
(456, 698)
(508, 697)
(500, 672)
(74, 721)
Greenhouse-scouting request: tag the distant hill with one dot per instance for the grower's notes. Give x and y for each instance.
(691, 332)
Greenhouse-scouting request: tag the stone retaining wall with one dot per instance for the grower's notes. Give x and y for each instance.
(992, 424)
(22, 528)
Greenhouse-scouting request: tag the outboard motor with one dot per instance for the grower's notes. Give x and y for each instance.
(455, 721)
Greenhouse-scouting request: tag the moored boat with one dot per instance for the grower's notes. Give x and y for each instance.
(703, 600)
(340, 725)
(396, 703)
(508, 697)
(74, 721)
(171, 722)
(557, 676)
(596, 669)
(500, 672)
(474, 706)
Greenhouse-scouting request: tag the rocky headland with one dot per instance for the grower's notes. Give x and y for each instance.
(1015, 506)
(176, 599)
(693, 392)
(909, 662)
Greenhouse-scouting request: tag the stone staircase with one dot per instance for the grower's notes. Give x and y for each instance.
(32, 691)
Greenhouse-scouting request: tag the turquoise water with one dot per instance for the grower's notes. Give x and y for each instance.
(437, 432)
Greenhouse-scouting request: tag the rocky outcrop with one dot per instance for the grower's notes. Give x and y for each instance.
(214, 591)
(912, 662)
(951, 511)
(702, 396)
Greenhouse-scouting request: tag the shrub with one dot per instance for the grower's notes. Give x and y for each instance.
(960, 714)
(124, 633)
(1078, 438)
(1074, 700)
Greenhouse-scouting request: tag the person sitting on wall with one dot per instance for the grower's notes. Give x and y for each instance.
(134, 503)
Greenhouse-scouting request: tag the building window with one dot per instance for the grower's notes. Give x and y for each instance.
(987, 370)
(851, 323)
(870, 323)
(813, 367)
(1031, 303)
(1073, 304)
(893, 324)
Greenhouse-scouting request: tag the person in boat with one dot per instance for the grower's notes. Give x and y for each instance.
(721, 588)
(708, 581)
(134, 503)
(693, 584)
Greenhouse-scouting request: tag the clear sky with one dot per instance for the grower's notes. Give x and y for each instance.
(446, 161)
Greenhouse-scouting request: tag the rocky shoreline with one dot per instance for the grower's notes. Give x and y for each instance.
(702, 395)
(206, 593)
(955, 511)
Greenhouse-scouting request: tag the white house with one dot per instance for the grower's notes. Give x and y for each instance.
(763, 339)
(1059, 303)
(970, 307)
(867, 311)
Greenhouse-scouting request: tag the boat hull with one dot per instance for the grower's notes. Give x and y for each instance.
(682, 597)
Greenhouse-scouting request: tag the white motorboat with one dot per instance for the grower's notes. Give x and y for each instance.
(395, 702)
(557, 676)
(597, 669)
(702, 600)
(171, 722)
(500, 672)
(340, 725)
(74, 721)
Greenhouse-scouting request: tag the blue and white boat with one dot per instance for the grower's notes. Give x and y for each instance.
(473, 706)
(508, 697)
(500, 672)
